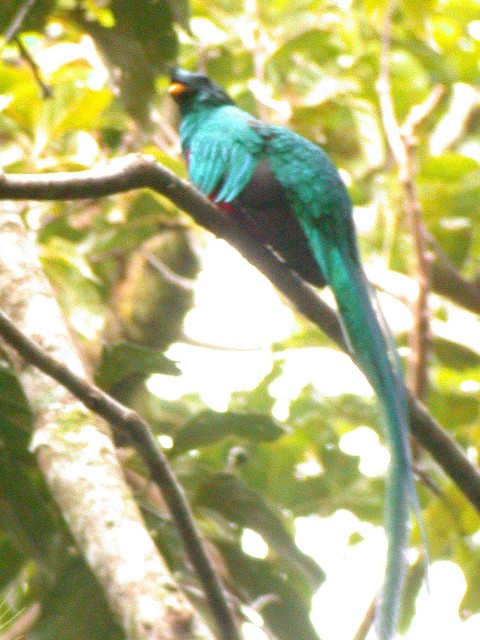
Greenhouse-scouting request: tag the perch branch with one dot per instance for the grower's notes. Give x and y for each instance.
(135, 172)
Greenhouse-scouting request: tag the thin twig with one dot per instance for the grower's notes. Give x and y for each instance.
(46, 89)
(212, 346)
(135, 172)
(12, 33)
(185, 284)
(129, 423)
(402, 142)
(465, 101)
(390, 125)
(17, 22)
(367, 621)
(420, 112)
(420, 338)
(448, 281)
(23, 623)
(252, 41)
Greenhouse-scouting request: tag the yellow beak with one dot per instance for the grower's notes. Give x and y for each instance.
(177, 88)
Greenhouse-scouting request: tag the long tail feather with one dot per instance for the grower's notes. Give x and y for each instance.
(371, 348)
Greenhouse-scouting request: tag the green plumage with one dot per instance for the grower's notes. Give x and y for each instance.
(287, 191)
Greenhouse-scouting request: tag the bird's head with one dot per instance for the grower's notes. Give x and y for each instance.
(193, 91)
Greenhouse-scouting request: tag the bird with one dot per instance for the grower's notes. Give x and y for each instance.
(286, 191)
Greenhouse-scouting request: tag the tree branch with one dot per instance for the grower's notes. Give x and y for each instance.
(134, 172)
(420, 337)
(402, 143)
(367, 622)
(45, 88)
(17, 22)
(447, 280)
(129, 423)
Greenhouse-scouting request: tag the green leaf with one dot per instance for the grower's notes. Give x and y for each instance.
(376, 7)
(450, 167)
(287, 610)
(315, 44)
(453, 409)
(15, 412)
(180, 10)
(230, 496)
(124, 360)
(211, 426)
(73, 107)
(439, 68)
(59, 251)
(25, 514)
(76, 609)
(11, 561)
(449, 189)
(259, 399)
(470, 603)
(35, 18)
(456, 237)
(451, 521)
(332, 124)
(77, 285)
(410, 81)
(455, 355)
(26, 103)
(463, 10)
(415, 579)
(418, 12)
(138, 44)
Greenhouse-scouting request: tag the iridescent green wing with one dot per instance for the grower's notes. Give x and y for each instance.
(223, 154)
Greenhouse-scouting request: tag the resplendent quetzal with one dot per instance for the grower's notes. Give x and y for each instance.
(286, 191)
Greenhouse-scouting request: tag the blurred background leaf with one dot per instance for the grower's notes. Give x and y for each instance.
(128, 270)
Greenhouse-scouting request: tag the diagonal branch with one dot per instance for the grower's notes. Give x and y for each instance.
(45, 88)
(130, 424)
(22, 624)
(135, 172)
(17, 23)
(448, 281)
(77, 457)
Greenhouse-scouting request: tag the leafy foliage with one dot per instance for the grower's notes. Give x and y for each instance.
(74, 608)
(15, 415)
(122, 269)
